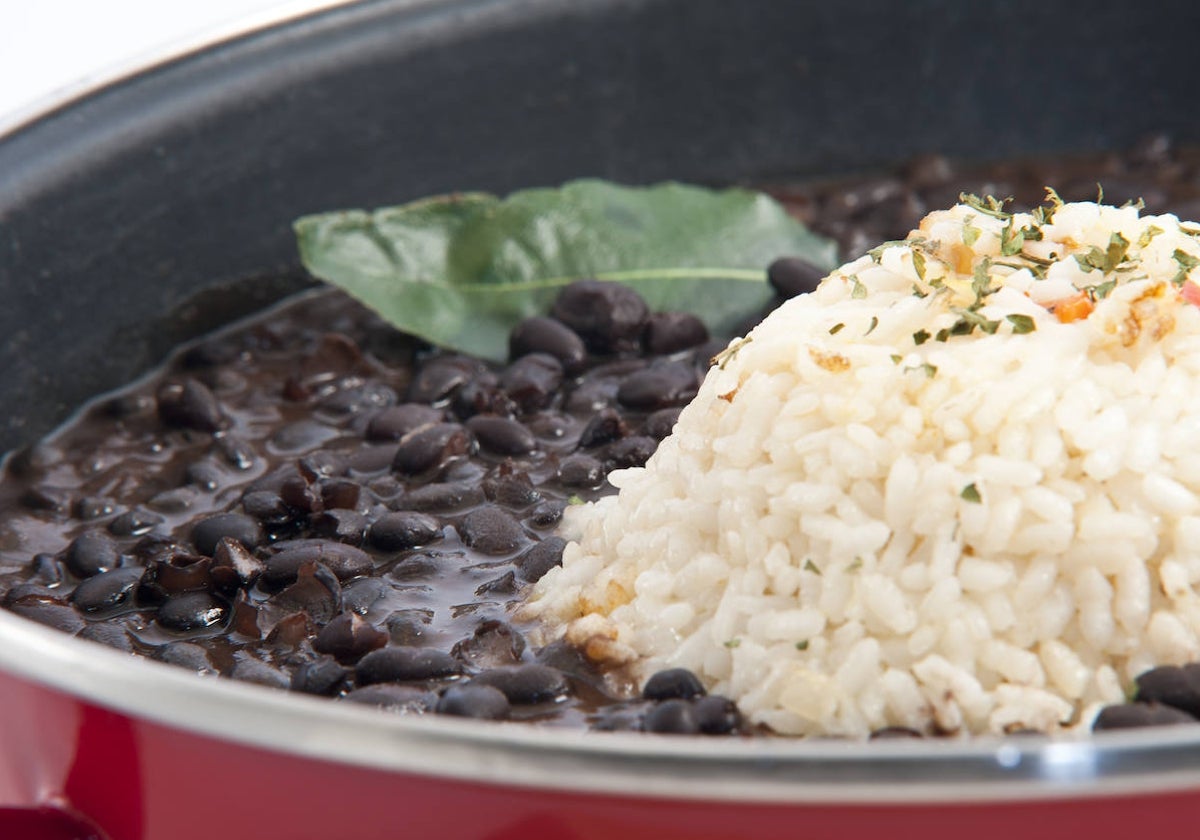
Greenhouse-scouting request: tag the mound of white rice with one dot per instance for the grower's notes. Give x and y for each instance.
(949, 490)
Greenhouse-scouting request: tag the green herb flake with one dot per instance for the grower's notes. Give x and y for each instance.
(725, 356)
(920, 337)
(1102, 290)
(1054, 200)
(855, 565)
(930, 370)
(988, 205)
(732, 643)
(1148, 235)
(1011, 240)
(874, 324)
(970, 235)
(574, 499)
(802, 645)
(942, 335)
(810, 566)
(917, 292)
(918, 263)
(1021, 324)
(857, 291)
(970, 493)
(896, 358)
(1186, 263)
(836, 328)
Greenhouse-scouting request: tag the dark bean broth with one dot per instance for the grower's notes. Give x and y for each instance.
(311, 500)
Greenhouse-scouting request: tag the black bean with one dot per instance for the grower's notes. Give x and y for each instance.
(316, 592)
(403, 530)
(323, 677)
(186, 655)
(580, 470)
(91, 553)
(111, 635)
(896, 216)
(323, 463)
(203, 474)
(212, 529)
(660, 424)
(670, 332)
(1131, 715)
(1172, 686)
(290, 632)
(368, 460)
(175, 501)
(360, 595)
(545, 335)
(606, 426)
(93, 507)
(436, 380)
(340, 494)
(395, 422)
(348, 638)
(416, 567)
(607, 316)
(540, 558)
(234, 566)
(491, 530)
(791, 276)
(526, 684)
(404, 699)
(301, 436)
(267, 507)
(473, 701)
(506, 584)
(299, 495)
(895, 733)
(929, 170)
(174, 574)
(234, 451)
(501, 436)
(592, 396)
(407, 627)
(660, 386)
(493, 644)
(259, 673)
(190, 405)
(547, 514)
(46, 498)
(345, 561)
(357, 400)
(483, 395)
(443, 497)
(673, 683)
(51, 613)
(511, 489)
(134, 523)
(192, 611)
(716, 715)
(107, 590)
(47, 568)
(405, 664)
(671, 717)
(346, 526)
(428, 447)
(532, 381)
(569, 659)
(631, 452)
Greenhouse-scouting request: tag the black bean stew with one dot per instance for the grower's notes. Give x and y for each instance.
(314, 502)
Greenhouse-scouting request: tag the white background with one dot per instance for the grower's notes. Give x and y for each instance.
(49, 46)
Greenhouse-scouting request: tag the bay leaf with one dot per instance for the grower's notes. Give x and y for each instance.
(461, 270)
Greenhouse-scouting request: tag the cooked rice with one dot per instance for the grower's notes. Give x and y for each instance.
(857, 525)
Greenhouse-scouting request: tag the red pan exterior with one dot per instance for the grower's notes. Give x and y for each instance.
(136, 780)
